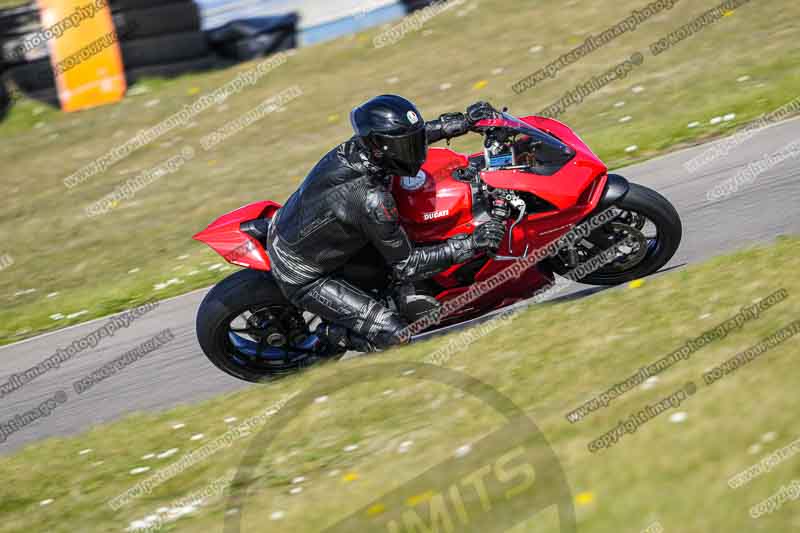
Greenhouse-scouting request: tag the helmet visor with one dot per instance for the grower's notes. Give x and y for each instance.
(403, 154)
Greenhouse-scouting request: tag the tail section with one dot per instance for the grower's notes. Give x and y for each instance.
(227, 236)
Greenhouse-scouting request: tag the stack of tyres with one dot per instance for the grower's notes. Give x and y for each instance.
(161, 38)
(19, 19)
(14, 22)
(157, 38)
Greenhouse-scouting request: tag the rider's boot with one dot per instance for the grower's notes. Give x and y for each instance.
(342, 339)
(412, 306)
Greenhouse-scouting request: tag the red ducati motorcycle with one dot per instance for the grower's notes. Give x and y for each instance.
(534, 173)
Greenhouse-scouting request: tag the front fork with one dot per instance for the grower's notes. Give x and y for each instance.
(616, 188)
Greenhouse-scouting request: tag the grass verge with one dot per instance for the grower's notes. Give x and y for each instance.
(549, 360)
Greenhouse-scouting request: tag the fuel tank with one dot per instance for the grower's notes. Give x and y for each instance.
(434, 206)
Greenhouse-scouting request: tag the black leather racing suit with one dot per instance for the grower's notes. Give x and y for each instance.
(342, 206)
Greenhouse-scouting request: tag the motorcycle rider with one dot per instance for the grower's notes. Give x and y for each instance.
(344, 204)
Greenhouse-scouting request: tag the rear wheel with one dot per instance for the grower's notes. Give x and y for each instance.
(651, 229)
(248, 329)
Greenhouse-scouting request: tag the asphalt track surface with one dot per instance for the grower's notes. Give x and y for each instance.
(179, 373)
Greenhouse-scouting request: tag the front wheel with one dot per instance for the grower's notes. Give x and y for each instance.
(248, 329)
(650, 225)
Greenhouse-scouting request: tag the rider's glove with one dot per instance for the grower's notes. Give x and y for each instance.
(481, 111)
(448, 126)
(462, 248)
(489, 235)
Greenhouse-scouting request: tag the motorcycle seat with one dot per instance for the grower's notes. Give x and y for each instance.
(257, 228)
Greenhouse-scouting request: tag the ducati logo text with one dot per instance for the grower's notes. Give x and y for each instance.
(436, 214)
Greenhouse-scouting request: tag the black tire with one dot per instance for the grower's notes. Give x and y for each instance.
(661, 212)
(164, 49)
(6, 101)
(172, 70)
(149, 19)
(34, 76)
(12, 20)
(37, 76)
(130, 25)
(124, 5)
(161, 20)
(12, 50)
(21, 29)
(240, 292)
(45, 96)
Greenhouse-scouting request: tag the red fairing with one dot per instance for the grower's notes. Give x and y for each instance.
(564, 188)
(555, 128)
(224, 236)
(563, 132)
(493, 296)
(433, 206)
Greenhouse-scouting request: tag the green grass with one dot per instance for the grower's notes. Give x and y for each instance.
(57, 249)
(548, 361)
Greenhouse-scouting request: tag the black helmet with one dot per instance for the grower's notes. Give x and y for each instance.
(393, 130)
